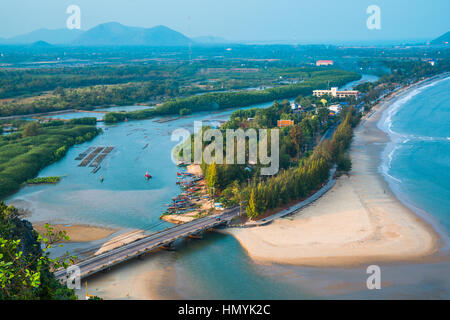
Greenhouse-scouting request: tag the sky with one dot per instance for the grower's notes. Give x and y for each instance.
(293, 21)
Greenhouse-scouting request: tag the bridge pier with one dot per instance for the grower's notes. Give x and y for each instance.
(169, 246)
(106, 269)
(197, 235)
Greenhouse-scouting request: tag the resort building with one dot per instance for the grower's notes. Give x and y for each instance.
(336, 94)
(320, 63)
(285, 123)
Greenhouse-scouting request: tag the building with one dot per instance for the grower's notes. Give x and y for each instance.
(335, 109)
(336, 94)
(320, 63)
(285, 123)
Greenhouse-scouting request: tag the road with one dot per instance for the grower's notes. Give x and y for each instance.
(129, 251)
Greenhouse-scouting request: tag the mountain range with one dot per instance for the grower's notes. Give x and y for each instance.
(105, 34)
(116, 34)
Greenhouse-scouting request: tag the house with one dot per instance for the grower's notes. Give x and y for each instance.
(285, 123)
(320, 63)
(295, 106)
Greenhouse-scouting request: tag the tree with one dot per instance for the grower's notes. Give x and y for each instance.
(251, 207)
(31, 129)
(322, 113)
(296, 135)
(211, 178)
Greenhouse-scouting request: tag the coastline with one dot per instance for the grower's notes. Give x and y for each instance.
(358, 221)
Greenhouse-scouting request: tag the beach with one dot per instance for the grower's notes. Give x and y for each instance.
(77, 232)
(358, 221)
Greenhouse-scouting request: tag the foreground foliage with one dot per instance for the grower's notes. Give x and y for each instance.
(25, 267)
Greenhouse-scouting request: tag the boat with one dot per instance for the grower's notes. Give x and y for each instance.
(148, 176)
(182, 164)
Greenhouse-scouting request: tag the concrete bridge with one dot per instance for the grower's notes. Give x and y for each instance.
(135, 249)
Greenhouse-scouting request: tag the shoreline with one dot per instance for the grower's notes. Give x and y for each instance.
(358, 221)
(391, 146)
(78, 232)
(205, 204)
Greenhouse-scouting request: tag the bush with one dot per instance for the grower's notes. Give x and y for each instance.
(185, 112)
(344, 163)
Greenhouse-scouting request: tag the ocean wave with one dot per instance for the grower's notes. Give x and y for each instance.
(407, 141)
(386, 120)
(398, 139)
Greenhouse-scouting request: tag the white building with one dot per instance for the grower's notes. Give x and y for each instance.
(336, 94)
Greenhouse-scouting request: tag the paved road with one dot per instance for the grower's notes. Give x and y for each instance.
(108, 259)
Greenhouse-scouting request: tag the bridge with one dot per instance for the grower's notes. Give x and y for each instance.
(135, 249)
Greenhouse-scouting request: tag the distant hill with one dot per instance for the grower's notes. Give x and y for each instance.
(57, 36)
(210, 40)
(114, 33)
(444, 39)
(41, 44)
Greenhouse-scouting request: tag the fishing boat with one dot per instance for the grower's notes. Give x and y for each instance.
(182, 164)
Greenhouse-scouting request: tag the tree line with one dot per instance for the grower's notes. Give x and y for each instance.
(223, 100)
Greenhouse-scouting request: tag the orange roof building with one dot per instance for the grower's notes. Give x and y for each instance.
(285, 123)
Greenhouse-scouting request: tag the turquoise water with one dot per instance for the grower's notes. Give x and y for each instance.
(417, 162)
(125, 199)
(124, 108)
(364, 78)
(76, 115)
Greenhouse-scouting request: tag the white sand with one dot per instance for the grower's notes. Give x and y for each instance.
(121, 240)
(358, 221)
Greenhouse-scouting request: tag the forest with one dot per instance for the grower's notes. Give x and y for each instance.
(30, 91)
(24, 153)
(304, 169)
(223, 100)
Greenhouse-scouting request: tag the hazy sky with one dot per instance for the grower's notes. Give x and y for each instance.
(250, 20)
